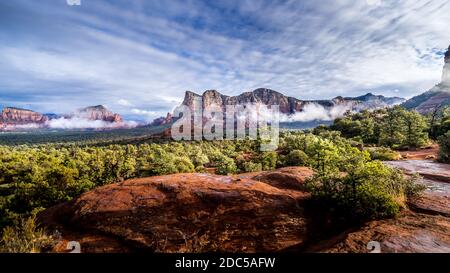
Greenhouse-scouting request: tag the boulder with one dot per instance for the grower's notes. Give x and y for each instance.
(293, 178)
(183, 213)
(410, 233)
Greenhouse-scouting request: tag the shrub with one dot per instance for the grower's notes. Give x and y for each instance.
(444, 148)
(297, 158)
(371, 191)
(383, 154)
(26, 237)
(269, 161)
(252, 167)
(183, 164)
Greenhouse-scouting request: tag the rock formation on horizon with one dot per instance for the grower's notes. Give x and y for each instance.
(437, 97)
(99, 112)
(11, 116)
(288, 105)
(21, 116)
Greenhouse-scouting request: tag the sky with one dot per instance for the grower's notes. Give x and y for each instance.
(139, 57)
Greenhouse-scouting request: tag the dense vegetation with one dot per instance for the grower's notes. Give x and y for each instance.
(444, 143)
(35, 177)
(395, 128)
(81, 137)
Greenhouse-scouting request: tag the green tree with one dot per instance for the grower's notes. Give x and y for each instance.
(444, 148)
(415, 129)
(269, 160)
(252, 167)
(297, 158)
(392, 128)
(225, 165)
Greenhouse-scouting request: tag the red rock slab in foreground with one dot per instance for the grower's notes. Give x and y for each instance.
(410, 233)
(184, 213)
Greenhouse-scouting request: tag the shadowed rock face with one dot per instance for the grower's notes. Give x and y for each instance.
(410, 233)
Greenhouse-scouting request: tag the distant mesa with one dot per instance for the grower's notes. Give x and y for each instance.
(13, 118)
(21, 116)
(99, 112)
(437, 97)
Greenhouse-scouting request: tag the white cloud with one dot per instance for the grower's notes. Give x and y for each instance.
(315, 111)
(306, 49)
(82, 123)
(147, 115)
(124, 102)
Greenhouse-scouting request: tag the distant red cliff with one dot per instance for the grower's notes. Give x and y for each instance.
(11, 116)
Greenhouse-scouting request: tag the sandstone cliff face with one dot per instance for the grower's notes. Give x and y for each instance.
(15, 116)
(262, 96)
(287, 105)
(100, 112)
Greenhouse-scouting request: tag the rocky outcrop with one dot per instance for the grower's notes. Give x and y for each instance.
(253, 212)
(286, 178)
(99, 112)
(185, 213)
(410, 233)
(436, 98)
(425, 168)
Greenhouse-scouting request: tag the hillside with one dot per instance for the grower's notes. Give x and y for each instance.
(437, 97)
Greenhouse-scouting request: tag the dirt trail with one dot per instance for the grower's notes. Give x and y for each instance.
(430, 153)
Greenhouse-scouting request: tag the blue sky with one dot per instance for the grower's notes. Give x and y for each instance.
(138, 57)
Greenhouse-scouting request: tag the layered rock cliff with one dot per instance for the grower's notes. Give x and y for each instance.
(12, 116)
(13, 119)
(287, 105)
